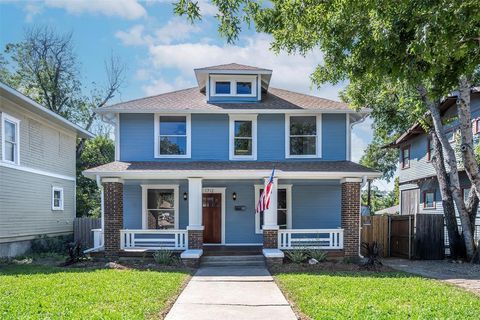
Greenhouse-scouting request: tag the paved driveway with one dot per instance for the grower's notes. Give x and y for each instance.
(464, 275)
(231, 293)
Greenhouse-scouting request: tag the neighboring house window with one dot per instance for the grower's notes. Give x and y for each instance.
(429, 149)
(10, 139)
(172, 136)
(451, 136)
(243, 137)
(429, 199)
(284, 196)
(303, 138)
(233, 85)
(466, 193)
(160, 207)
(405, 157)
(476, 126)
(57, 198)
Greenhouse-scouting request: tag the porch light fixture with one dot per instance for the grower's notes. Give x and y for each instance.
(234, 196)
(185, 196)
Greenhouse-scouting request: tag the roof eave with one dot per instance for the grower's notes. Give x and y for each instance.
(227, 111)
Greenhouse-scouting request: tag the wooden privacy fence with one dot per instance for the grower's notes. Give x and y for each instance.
(82, 230)
(419, 236)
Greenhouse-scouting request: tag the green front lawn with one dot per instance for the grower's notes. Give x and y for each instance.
(390, 295)
(42, 292)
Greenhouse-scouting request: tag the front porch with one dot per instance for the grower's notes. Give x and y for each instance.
(198, 216)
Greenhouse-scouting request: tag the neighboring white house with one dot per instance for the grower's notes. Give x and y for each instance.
(37, 172)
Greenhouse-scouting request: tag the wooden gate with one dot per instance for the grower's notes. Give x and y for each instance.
(375, 228)
(401, 236)
(429, 237)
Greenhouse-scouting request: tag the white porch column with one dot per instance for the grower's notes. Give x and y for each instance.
(195, 203)
(270, 215)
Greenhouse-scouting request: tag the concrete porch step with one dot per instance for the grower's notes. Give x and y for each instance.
(247, 260)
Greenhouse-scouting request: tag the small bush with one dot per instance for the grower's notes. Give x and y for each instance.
(372, 253)
(46, 244)
(296, 256)
(318, 255)
(75, 252)
(164, 257)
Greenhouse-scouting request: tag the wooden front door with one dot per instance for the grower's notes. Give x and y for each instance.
(212, 217)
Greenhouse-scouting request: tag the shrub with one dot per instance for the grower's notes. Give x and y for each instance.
(318, 255)
(296, 256)
(372, 253)
(75, 252)
(46, 244)
(164, 257)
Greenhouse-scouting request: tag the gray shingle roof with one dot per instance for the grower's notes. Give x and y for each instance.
(292, 166)
(233, 66)
(192, 99)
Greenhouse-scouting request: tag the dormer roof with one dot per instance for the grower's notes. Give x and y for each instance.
(232, 68)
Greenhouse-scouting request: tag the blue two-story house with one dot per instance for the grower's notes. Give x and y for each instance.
(191, 165)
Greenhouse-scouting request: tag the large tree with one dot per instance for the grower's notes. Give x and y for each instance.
(44, 67)
(424, 47)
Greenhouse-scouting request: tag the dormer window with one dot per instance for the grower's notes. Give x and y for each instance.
(233, 85)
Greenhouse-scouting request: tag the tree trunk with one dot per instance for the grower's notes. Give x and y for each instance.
(456, 243)
(451, 160)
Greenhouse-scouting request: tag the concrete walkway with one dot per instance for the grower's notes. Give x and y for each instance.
(463, 275)
(231, 293)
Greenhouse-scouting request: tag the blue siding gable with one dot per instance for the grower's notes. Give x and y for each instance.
(210, 137)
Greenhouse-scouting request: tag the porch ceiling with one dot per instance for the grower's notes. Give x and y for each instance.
(234, 169)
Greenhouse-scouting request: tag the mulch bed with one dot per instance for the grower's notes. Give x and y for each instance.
(326, 266)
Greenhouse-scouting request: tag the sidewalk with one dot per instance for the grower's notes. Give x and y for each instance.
(231, 293)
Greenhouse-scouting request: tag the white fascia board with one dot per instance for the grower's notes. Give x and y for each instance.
(233, 111)
(230, 174)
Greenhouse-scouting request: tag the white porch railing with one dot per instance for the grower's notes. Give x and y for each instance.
(97, 238)
(153, 239)
(310, 239)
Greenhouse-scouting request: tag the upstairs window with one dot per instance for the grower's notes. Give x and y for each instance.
(244, 88)
(172, 136)
(429, 149)
(405, 157)
(222, 87)
(466, 193)
(429, 199)
(243, 137)
(10, 139)
(476, 126)
(303, 138)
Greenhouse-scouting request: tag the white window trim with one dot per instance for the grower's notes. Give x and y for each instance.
(156, 146)
(288, 187)
(233, 79)
(6, 117)
(176, 199)
(62, 199)
(318, 137)
(237, 117)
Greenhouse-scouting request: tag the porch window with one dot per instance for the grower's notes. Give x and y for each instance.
(243, 136)
(429, 199)
(283, 208)
(10, 139)
(405, 157)
(303, 140)
(172, 136)
(57, 198)
(160, 206)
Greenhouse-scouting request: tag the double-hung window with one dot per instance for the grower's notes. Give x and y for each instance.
(243, 137)
(429, 149)
(10, 139)
(160, 206)
(405, 157)
(172, 136)
(284, 196)
(303, 138)
(429, 199)
(57, 198)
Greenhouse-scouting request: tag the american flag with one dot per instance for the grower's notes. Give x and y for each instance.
(264, 201)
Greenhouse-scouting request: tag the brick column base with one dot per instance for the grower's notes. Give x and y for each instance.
(270, 239)
(113, 218)
(195, 239)
(351, 218)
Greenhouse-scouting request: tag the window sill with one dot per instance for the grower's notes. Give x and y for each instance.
(303, 157)
(174, 156)
(58, 209)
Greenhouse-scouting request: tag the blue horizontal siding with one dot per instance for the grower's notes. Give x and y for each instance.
(315, 204)
(210, 134)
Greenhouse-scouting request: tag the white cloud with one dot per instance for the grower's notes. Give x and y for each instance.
(160, 85)
(128, 9)
(134, 36)
(32, 9)
(176, 29)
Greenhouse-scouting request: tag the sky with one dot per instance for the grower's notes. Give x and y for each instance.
(160, 50)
